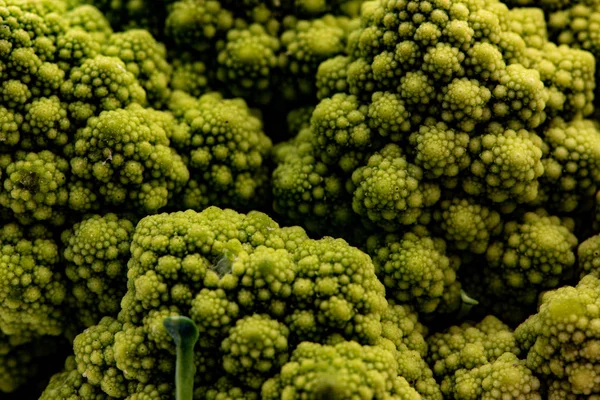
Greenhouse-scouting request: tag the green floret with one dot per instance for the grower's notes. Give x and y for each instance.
(390, 191)
(97, 250)
(506, 165)
(442, 62)
(256, 346)
(126, 154)
(299, 118)
(340, 130)
(561, 340)
(360, 79)
(82, 196)
(308, 191)
(94, 363)
(530, 24)
(189, 75)
(537, 252)
(400, 326)
(388, 116)
(135, 352)
(385, 69)
(35, 187)
(225, 149)
(506, 377)
(568, 74)
(413, 267)
(407, 52)
(14, 93)
(71, 385)
(346, 370)
(34, 25)
(331, 76)
(10, 123)
(306, 43)
(46, 122)
(484, 60)
(466, 224)
(151, 392)
(574, 25)
(461, 349)
(268, 13)
(588, 257)
(23, 62)
(571, 161)
(91, 20)
(561, 390)
(213, 312)
(248, 63)
(402, 335)
(32, 288)
(48, 80)
(464, 102)
(268, 275)
(339, 301)
(74, 47)
(573, 78)
(225, 389)
(145, 58)
(440, 150)
(195, 23)
(117, 88)
(418, 374)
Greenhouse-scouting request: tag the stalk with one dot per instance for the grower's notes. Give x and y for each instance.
(185, 334)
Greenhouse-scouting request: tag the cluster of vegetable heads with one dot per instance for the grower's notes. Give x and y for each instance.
(299, 199)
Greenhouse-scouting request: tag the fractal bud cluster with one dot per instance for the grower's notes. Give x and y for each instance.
(337, 199)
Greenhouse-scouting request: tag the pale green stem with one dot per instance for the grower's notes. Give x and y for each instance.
(185, 334)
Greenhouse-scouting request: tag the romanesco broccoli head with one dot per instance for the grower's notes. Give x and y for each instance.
(96, 251)
(413, 267)
(33, 290)
(254, 290)
(345, 370)
(567, 320)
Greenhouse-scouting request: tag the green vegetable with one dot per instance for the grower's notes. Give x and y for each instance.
(567, 313)
(333, 191)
